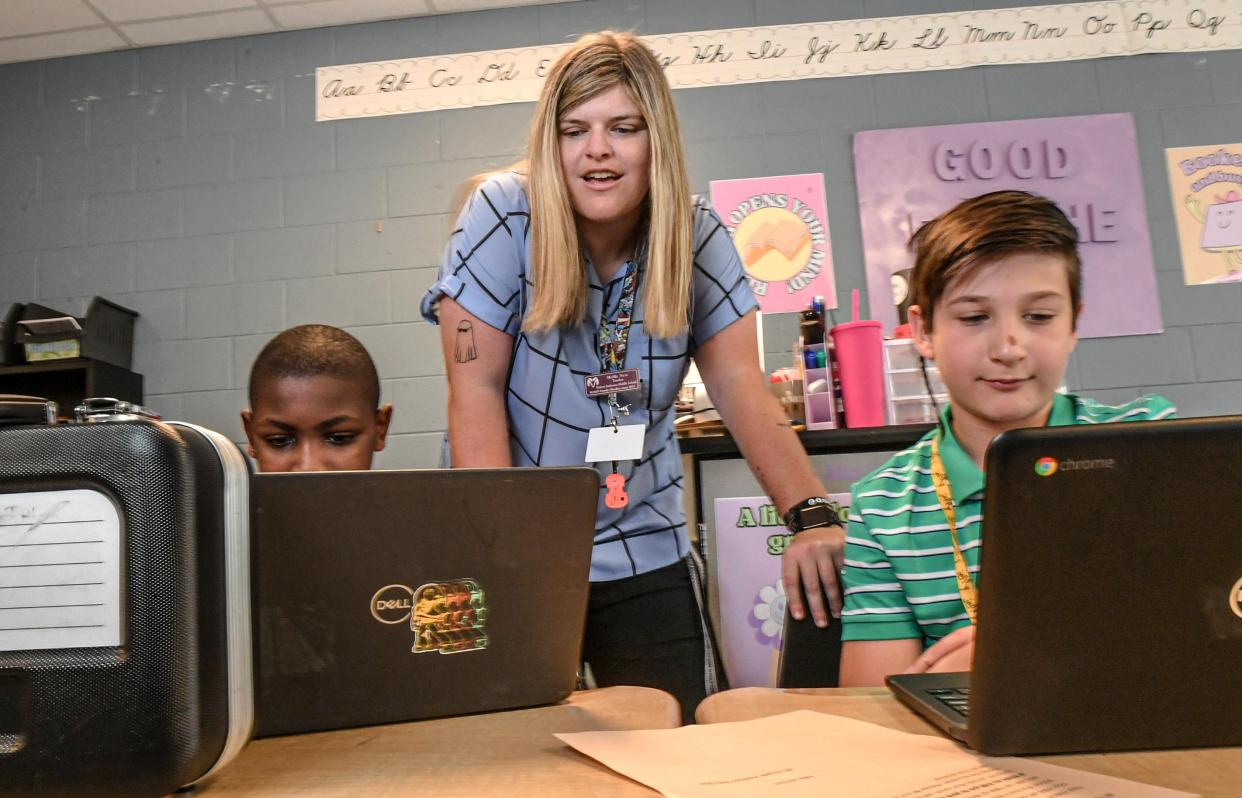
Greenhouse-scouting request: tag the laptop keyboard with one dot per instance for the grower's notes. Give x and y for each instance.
(956, 698)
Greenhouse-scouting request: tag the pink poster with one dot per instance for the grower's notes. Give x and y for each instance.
(1088, 165)
(780, 228)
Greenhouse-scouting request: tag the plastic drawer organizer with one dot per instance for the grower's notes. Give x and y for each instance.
(907, 397)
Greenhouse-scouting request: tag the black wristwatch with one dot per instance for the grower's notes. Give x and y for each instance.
(812, 513)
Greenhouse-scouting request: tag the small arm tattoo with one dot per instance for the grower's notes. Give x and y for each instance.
(463, 347)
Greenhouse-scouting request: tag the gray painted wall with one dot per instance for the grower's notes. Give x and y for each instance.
(192, 184)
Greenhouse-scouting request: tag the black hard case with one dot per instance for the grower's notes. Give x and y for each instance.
(174, 702)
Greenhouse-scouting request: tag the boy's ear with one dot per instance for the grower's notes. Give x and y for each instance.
(919, 332)
(246, 417)
(383, 417)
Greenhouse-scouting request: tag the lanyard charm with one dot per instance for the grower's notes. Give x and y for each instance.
(616, 497)
(616, 407)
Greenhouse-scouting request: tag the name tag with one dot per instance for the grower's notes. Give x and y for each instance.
(607, 382)
(622, 442)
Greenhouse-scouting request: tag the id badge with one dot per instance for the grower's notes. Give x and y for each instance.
(608, 382)
(610, 444)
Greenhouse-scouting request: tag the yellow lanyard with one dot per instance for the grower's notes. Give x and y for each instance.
(966, 587)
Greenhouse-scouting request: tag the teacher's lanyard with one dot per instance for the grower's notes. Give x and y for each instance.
(614, 338)
(944, 492)
(614, 442)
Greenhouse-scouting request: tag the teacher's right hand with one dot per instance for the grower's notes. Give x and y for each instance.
(813, 560)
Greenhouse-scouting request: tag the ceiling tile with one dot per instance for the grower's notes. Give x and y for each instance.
(129, 10)
(54, 45)
(22, 17)
(211, 26)
(344, 12)
(26, 26)
(454, 6)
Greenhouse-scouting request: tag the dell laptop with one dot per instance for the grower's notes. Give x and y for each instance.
(387, 596)
(1110, 594)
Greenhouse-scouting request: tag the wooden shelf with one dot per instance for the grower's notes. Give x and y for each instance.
(826, 441)
(68, 382)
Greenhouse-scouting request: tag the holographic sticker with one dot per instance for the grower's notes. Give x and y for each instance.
(449, 617)
(1046, 466)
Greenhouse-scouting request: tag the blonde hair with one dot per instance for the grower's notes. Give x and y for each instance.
(596, 63)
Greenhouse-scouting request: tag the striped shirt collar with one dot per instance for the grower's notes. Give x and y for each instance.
(965, 477)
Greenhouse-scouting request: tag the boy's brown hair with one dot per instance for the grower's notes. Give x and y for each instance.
(986, 228)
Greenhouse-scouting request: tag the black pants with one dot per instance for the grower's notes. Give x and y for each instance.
(647, 630)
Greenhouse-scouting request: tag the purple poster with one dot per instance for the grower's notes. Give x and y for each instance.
(750, 538)
(1088, 165)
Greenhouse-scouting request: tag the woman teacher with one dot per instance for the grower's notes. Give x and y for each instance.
(573, 293)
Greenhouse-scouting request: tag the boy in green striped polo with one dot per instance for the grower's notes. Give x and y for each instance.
(996, 293)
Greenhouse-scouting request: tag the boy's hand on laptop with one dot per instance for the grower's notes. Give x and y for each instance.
(950, 654)
(813, 559)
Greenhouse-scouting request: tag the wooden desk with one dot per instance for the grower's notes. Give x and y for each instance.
(1210, 772)
(502, 753)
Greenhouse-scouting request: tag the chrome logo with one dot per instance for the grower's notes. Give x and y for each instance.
(1046, 466)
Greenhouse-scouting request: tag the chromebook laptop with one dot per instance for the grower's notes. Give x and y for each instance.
(401, 595)
(1110, 593)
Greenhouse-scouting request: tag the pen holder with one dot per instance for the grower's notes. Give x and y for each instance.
(818, 397)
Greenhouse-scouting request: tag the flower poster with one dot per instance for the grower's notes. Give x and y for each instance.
(750, 538)
(780, 228)
(1207, 204)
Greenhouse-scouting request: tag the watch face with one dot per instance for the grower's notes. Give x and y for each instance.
(816, 515)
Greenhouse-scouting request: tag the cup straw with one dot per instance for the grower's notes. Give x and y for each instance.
(854, 298)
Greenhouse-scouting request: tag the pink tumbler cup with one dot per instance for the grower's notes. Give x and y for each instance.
(860, 360)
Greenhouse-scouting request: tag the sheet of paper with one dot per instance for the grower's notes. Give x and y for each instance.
(60, 570)
(809, 754)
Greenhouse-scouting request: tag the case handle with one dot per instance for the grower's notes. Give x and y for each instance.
(18, 409)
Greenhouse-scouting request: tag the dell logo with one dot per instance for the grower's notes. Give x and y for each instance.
(392, 604)
(1235, 598)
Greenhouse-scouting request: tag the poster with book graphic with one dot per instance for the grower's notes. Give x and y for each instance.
(750, 538)
(780, 228)
(1207, 204)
